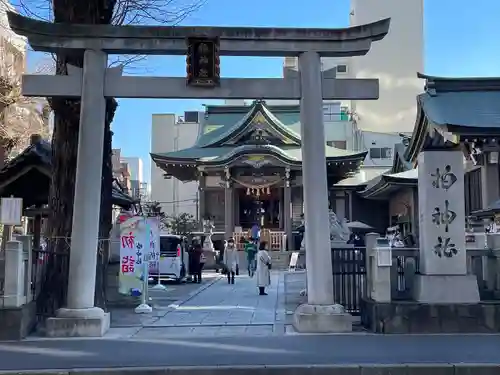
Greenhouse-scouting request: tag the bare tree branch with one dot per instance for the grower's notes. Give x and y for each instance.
(124, 12)
(19, 116)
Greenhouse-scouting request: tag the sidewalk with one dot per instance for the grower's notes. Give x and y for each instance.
(217, 309)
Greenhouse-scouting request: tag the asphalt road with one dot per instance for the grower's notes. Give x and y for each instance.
(239, 351)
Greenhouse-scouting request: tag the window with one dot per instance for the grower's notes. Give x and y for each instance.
(337, 144)
(331, 112)
(342, 68)
(380, 153)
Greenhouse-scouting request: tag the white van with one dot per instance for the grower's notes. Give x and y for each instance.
(173, 259)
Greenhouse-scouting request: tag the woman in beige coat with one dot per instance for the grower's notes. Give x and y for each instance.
(263, 269)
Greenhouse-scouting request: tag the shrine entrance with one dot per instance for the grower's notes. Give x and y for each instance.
(203, 47)
(264, 208)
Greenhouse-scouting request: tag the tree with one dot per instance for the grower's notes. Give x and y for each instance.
(67, 111)
(20, 117)
(183, 224)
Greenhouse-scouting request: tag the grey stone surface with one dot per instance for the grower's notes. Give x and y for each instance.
(214, 309)
(47, 37)
(224, 304)
(17, 322)
(413, 317)
(295, 282)
(321, 319)
(77, 327)
(446, 289)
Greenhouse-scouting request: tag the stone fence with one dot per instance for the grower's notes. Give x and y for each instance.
(16, 308)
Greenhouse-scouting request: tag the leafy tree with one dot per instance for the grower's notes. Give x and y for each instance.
(67, 112)
(183, 224)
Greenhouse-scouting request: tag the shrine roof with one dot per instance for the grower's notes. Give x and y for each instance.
(490, 211)
(226, 125)
(230, 132)
(214, 155)
(33, 167)
(454, 109)
(388, 183)
(361, 178)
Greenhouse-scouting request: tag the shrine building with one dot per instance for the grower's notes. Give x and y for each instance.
(248, 163)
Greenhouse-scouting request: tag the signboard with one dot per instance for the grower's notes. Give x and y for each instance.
(11, 211)
(203, 62)
(154, 245)
(134, 252)
(293, 261)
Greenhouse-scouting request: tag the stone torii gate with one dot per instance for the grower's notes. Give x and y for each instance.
(95, 82)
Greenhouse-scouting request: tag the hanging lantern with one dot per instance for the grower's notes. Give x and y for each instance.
(268, 190)
(248, 191)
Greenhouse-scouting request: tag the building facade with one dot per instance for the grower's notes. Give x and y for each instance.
(170, 133)
(395, 61)
(135, 166)
(247, 163)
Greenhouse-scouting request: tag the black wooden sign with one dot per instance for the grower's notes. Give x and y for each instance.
(203, 62)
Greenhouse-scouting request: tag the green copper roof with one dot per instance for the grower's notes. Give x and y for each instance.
(221, 122)
(212, 154)
(231, 131)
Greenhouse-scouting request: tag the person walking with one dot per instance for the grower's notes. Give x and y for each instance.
(255, 232)
(251, 252)
(231, 260)
(263, 269)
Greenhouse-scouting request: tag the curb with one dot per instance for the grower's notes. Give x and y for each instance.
(388, 369)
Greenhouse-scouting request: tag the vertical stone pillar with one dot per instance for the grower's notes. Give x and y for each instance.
(14, 287)
(202, 197)
(319, 314)
(228, 204)
(443, 264)
(287, 209)
(87, 320)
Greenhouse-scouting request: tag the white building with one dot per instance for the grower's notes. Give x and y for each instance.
(135, 166)
(169, 133)
(395, 61)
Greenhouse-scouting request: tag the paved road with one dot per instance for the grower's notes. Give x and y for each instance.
(271, 350)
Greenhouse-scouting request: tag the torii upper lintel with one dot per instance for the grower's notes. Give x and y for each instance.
(170, 40)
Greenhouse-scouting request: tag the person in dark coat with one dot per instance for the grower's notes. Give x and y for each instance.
(198, 262)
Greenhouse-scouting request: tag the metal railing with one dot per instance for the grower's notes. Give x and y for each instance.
(483, 263)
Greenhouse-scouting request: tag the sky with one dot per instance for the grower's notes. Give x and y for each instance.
(460, 40)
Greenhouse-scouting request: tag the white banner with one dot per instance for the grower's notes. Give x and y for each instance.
(154, 245)
(134, 253)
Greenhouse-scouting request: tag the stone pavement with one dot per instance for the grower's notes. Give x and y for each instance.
(162, 301)
(217, 309)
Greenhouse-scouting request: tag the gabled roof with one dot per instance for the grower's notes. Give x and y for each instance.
(257, 122)
(230, 132)
(401, 174)
(455, 108)
(28, 176)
